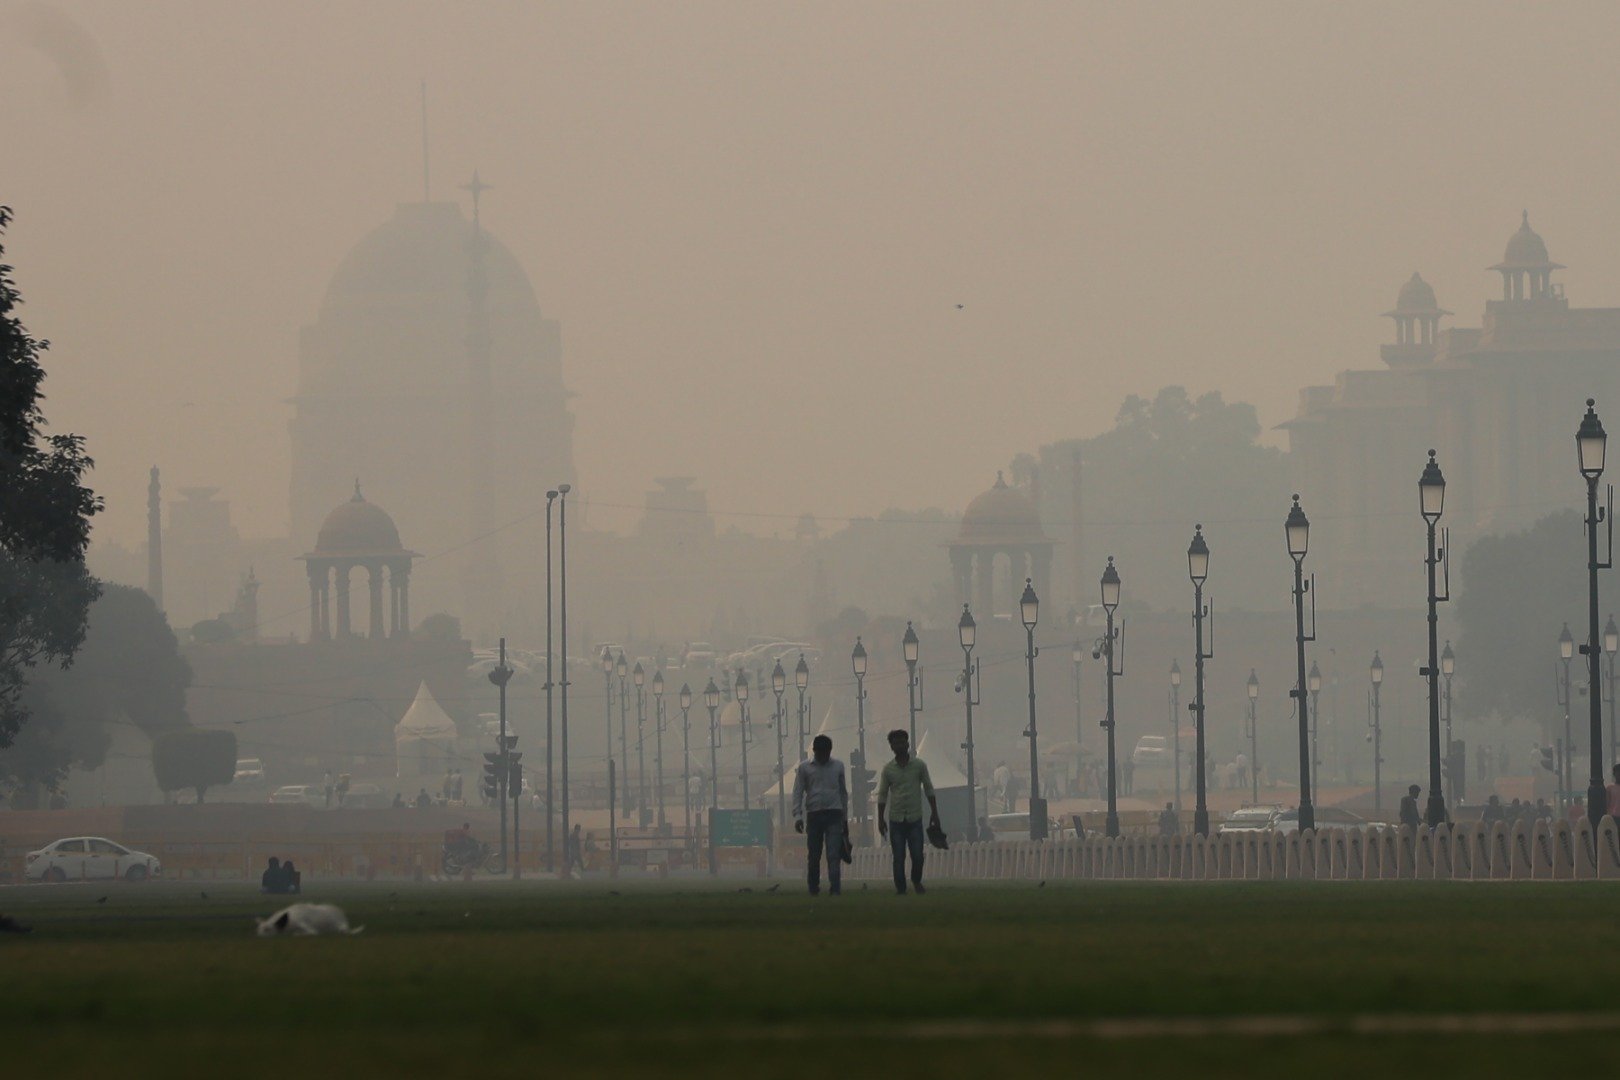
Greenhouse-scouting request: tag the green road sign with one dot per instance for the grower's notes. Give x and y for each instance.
(739, 828)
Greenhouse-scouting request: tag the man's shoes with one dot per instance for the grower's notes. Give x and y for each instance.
(835, 891)
(900, 891)
(815, 890)
(917, 887)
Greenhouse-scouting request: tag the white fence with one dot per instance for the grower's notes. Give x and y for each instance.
(1541, 851)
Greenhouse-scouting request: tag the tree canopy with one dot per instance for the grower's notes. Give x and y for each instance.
(45, 511)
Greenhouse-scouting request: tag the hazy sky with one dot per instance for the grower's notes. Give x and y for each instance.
(755, 220)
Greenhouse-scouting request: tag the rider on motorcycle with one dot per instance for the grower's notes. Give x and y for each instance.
(459, 844)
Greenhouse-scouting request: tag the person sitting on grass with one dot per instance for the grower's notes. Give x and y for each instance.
(293, 881)
(273, 880)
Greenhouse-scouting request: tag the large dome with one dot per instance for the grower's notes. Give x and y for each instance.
(358, 528)
(1525, 247)
(425, 250)
(1002, 514)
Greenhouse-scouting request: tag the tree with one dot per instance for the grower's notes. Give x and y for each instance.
(1515, 594)
(198, 758)
(439, 627)
(45, 511)
(129, 670)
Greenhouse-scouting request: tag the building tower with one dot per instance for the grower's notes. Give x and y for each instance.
(1417, 324)
(154, 539)
(1525, 268)
(482, 574)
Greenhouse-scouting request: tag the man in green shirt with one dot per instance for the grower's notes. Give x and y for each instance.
(901, 789)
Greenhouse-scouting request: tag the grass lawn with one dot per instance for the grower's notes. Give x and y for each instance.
(619, 978)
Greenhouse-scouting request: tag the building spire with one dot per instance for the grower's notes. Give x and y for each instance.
(154, 539)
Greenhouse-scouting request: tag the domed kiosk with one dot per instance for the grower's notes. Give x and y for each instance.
(1525, 267)
(1001, 521)
(359, 534)
(1417, 316)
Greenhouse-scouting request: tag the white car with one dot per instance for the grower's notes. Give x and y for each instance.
(296, 794)
(249, 770)
(89, 858)
(1151, 750)
(1250, 819)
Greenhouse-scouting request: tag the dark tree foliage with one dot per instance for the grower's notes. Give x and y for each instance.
(194, 758)
(45, 510)
(128, 671)
(1514, 595)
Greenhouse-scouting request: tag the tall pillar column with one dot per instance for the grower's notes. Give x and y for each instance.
(374, 625)
(326, 603)
(405, 604)
(343, 627)
(314, 606)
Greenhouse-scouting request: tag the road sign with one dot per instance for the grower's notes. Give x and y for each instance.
(739, 828)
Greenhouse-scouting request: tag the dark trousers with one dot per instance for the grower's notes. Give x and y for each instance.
(825, 829)
(905, 835)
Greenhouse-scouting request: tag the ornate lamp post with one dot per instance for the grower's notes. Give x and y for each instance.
(1376, 674)
(1592, 442)
(909, 648)
(857, 663)
(1105, 648)
(658, 746)
(740, 689)
(967, 634)
(639, 677)
(551, 859)
(622, 670)
(711, 701)
(1313, 683)
(1198, 571)
(1029, 610)
(607, 687)
(685, 699)
(500, 675)
(801, 682)
(1566, 653)
(1253, 687)
(1175, 726)
(1432, 501)
(1079, 709)
(778, 686)
(562, 630)
(1298, 528)
(1448, 668)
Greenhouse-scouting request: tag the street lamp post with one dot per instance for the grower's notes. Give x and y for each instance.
(562, 631)
(1198, 571)
(1592, 442)
(740, 689)
(685, 699)
(551, 860)
(1448, 668)
(607, 688)
(857, 662)
(500, 675)
(1313, 683)
(639, 676)
(778, 686)
(622, 669)
(1105, 649)
(801, 682)
(1298, 528)
(658, 746)
(909, 648)
(1029, 609)
(1432, 502)
(1253, 687)
(1566, 653)
(1079, 708)
(1376, 674)
(711, 701)
(967, 634)
(1175, 727)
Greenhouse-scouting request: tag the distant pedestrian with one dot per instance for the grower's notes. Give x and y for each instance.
(1494, 811)
(1169, 822)
(447, 787)
(1409, 807)
(573, 852)
(820, 811)
(1544, 811)
(423, 799)
(901, 789)
(326, 782)
(399, 800)
(455, 785)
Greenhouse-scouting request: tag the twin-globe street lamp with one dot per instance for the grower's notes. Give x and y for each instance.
(1029, 610)
(1592, 443)
(1432, 503)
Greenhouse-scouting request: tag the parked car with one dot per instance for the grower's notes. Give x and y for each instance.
(89, 858)
(365, 796)
(1250, 819)
(294, 794)
(249, 770)
(1151, 750)
(1010, 827)
(1327, 817)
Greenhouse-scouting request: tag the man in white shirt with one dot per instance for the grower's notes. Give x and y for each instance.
(821, 800)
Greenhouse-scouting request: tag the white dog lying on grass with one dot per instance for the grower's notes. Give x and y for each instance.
(307, 919)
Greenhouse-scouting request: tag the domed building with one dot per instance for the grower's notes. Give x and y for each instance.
(359, 535)
(431, 370)
(1002, 521)
(1417, 318)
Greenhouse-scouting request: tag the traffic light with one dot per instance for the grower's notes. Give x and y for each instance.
(492, 782)
(1547, 761)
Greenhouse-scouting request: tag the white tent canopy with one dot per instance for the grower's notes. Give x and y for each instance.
(941, 770)
(425, 737)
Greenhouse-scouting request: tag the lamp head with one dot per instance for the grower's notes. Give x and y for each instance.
(1432, 491)
(1566, 644)
(741, 686)
(1299, 531)
(685, 696)
(966, 628)
(801, 674)
(1313, 681)
(1611, 637)
(1198, 557)
(1175, 673)
(711, 694)
(1592, 442)
(857, 658)
(658, 684)
(909, 645)
(1448, 662)
(778, 677)
(1110, 586)
(637, 675)
(1376, 671)
(1253, 685)
(1029, 605)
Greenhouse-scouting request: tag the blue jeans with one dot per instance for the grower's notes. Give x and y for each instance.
(825, 828)
(904, 835)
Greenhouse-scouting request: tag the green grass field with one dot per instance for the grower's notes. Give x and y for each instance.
(623, 979)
